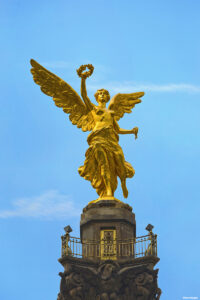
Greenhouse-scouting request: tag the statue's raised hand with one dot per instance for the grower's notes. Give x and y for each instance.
(85, 74)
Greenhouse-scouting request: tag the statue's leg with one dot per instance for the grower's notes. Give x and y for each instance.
(124, 188)
(104, 169)
(122, 175)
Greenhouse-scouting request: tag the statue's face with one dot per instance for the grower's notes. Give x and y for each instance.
(102, 97)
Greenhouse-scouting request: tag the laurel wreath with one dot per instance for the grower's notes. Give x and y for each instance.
(86, 73)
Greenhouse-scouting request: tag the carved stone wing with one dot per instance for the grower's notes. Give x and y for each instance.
(63, 95)
(123, 103)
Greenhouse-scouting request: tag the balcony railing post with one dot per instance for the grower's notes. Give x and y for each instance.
(67, 243)
(155, 244)
(151, 242)
(62, 249)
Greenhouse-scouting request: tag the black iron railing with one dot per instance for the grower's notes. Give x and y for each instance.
(139, 247)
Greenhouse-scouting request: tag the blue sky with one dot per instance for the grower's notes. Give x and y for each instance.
(134, 45)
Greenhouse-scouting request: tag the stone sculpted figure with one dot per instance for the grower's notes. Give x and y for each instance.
(104, 159)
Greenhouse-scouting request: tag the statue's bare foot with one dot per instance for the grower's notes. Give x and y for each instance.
(124, 189)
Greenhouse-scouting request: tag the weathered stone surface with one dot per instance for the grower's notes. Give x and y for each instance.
(107, 214)
(109, 280)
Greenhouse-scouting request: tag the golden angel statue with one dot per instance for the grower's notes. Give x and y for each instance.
(104, 159)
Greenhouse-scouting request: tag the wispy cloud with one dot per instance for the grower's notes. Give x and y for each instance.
(49, 205)
(59, 64)
(128, 87)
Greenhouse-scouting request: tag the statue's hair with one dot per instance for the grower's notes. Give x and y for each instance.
(97, 93)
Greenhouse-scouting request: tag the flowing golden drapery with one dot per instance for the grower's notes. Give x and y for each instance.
(105, 161)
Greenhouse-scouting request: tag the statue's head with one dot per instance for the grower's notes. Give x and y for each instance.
(102, 96)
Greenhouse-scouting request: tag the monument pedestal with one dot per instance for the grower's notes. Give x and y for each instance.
(108, 262)
(107, 223)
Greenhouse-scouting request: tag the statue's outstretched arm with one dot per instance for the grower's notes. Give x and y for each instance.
(84, 75)
(87, 101)
(125, 131)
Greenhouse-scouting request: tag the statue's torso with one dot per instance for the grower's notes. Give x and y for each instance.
(103, 118)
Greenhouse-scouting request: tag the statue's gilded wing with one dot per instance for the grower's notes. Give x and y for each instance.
(123, 103)
(63, 95)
